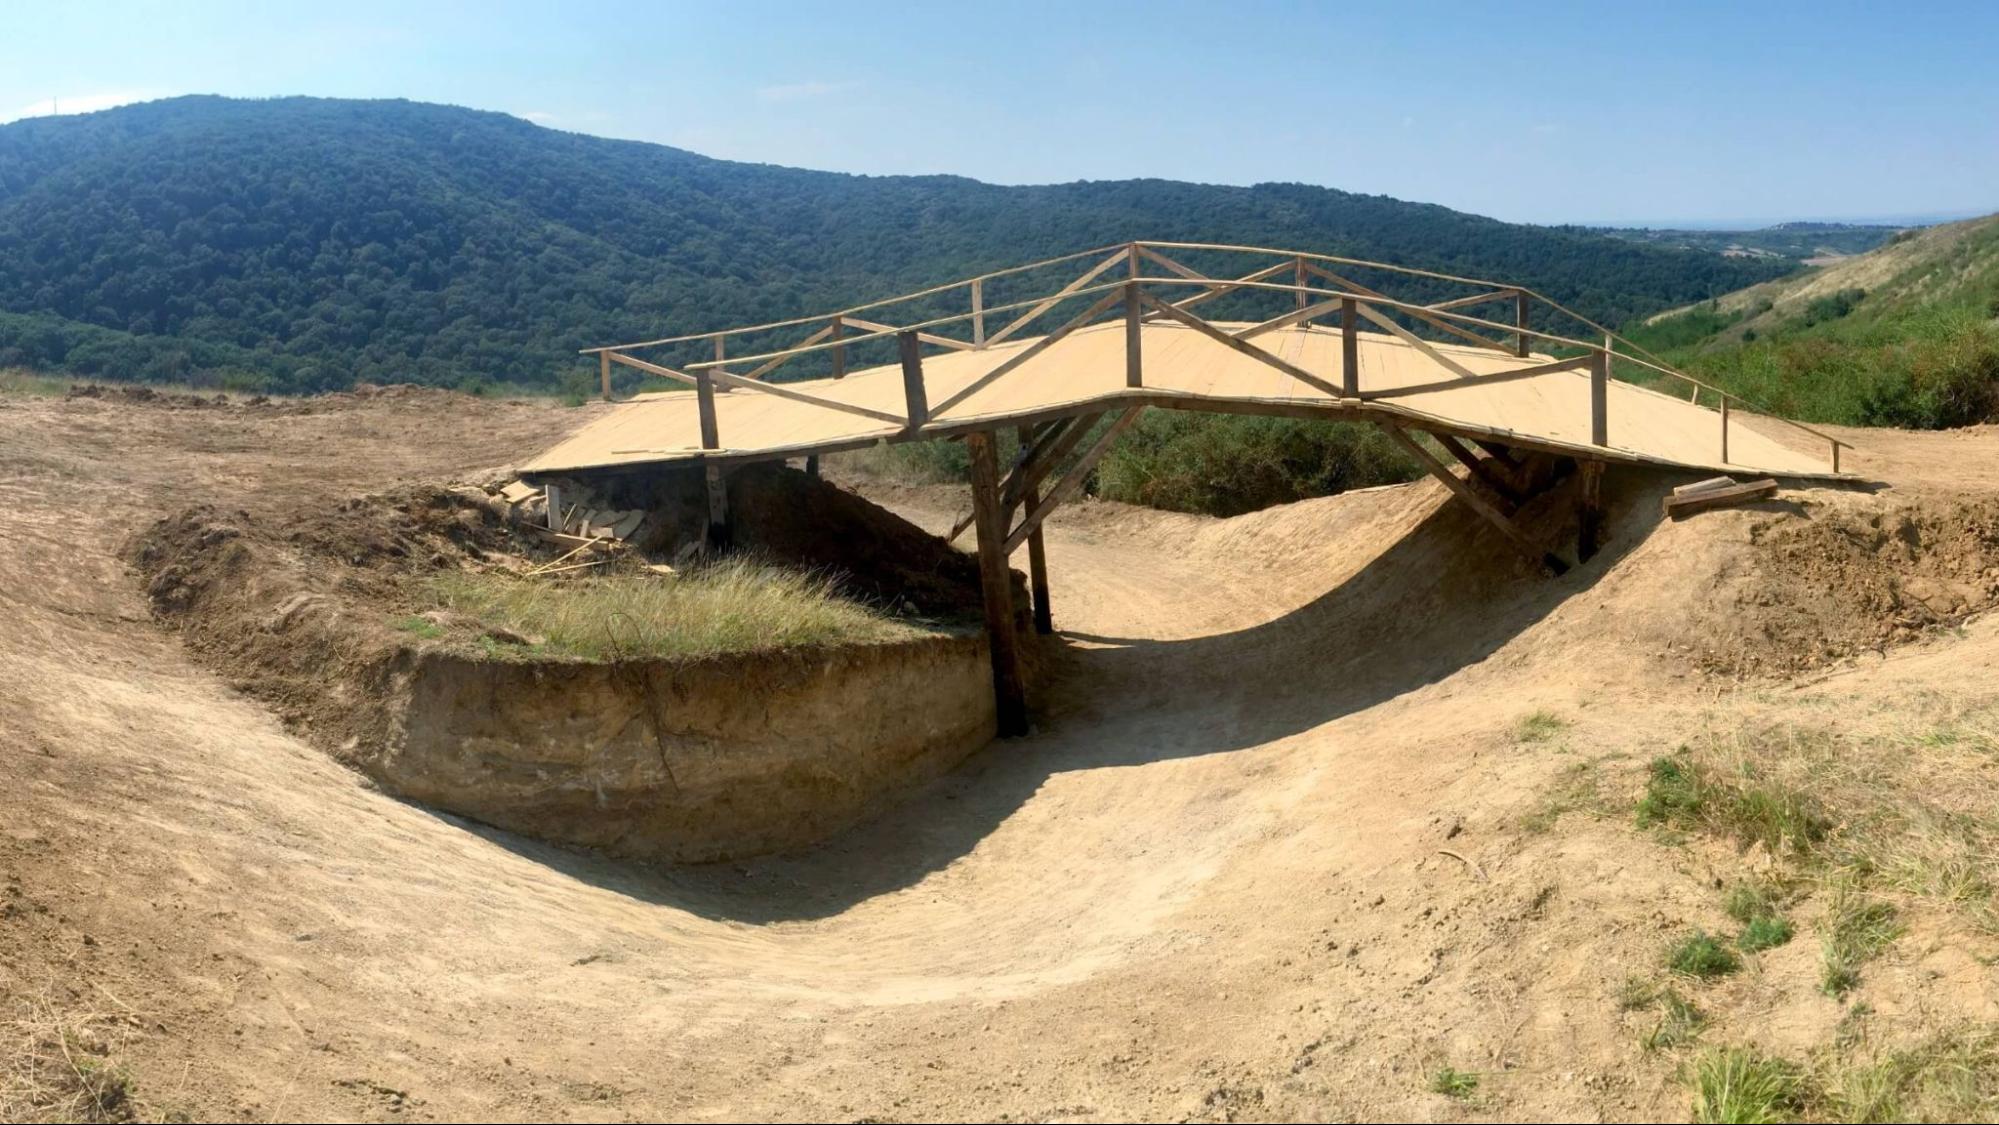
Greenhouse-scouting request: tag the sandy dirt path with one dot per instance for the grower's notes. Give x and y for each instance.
(1258, 860)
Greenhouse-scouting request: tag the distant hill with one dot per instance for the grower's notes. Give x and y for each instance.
(1798, 242)
(1902, 335)
(308, 243)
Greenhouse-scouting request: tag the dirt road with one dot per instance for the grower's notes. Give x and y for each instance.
(1264, 856)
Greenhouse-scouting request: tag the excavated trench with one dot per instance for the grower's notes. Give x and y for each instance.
(712, 757)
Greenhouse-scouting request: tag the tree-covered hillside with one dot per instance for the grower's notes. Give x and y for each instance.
(308, 243)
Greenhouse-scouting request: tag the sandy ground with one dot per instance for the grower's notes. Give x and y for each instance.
(1262, 857)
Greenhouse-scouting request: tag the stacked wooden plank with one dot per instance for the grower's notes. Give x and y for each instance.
(1715, 492)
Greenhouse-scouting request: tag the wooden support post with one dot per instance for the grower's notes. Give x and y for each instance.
(604, 372)
(1133, 371)
(1350, 348)
(996, 581)
(1037, 551)
(1589, 509)
(978, 312)
(839, 351)
(1520, 346)
(711, 438)
(1477, 503)
(719, 357)
(1495, 477)
(1131, 261)
(1835, 456)
(1724, 429)
(1599, 398)
(1298, 279)
(913, 394)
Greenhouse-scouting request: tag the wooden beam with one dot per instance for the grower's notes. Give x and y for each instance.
(704, 394)
(1468, 302)
(1071, 482)
(1496, 479)
(604, 372)
(839, 329)
(914, 396)
(1417, 342)
(782, 390)
(1599, 398)
(1028, 317)
(926, 337)
(1217, 286)
(1037, 549)
(721, 530)
(1724, 430)
(1058, 439)
(1030, 351)
(1300, 315)
(1133, 372)
(1434, 321)
(650, 368)
(1350, 347)
(1589, 509)
(1520, 321)
(1494, 377)
(1476, 502)
(1243, 346)
(1703, 499)
(978, 312)
(996, 583)
(772, 365)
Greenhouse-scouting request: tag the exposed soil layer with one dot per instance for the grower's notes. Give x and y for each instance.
(1848, 575)
(687, 760)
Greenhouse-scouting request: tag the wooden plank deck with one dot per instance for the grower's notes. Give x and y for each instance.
(1086, 372)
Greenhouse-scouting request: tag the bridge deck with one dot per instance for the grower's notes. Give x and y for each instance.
(1187, 369)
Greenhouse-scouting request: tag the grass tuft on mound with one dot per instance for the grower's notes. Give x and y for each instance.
(732, 605)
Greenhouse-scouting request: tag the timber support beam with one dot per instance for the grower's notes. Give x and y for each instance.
(1463, 491)
(996, 584)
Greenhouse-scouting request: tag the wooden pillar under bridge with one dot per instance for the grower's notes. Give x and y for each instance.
(996, 583)
(718, 534)
(1037, 551)
(1589, 509)
(604, 372)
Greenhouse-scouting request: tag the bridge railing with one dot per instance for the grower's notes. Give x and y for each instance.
(1319, 286)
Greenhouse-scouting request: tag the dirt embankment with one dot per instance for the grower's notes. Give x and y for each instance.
(682, 760)
(1846, 575)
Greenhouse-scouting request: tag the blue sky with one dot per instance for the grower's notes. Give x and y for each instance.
(1537, 112)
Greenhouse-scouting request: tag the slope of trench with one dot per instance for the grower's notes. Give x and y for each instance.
(1241, 702)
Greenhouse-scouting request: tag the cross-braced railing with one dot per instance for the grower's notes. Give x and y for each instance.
(1127, 281)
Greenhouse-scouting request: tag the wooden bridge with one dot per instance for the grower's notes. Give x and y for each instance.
(1512, 401)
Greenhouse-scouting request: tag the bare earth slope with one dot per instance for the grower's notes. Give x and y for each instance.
(1277, 849)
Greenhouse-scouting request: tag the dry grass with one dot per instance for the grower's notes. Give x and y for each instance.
(59, 1067)
(734, 605)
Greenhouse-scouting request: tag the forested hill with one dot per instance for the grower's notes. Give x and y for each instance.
(318, 242)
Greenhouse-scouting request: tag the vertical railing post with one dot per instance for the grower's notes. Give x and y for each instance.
(839, 350)
(1724, 429)
(1599, 397)
(1520, 322)
(1298, 279)
(720, 355)
(910, 350)
(978, 312)
(1350, 348)
(1835, 456)
(704, 394)
(1133, 370)
(1131, 260)
(604, 373)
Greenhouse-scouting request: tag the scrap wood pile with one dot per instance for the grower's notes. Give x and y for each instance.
(591, 535)
(1716, 492)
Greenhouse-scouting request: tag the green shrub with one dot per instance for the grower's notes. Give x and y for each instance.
(1703, 956)
(1226, 465)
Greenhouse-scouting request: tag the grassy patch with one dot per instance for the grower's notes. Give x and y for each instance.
(1225, 465)
(1855, 931)
(1680, 1022)
(1732, 1084)
(1951, 1076)
(1454, 1083)
(1682, 792)
(733, 605)
(1703, 956)
(420, 626)
(1764, 933)
(1539, 726)
(20, 381)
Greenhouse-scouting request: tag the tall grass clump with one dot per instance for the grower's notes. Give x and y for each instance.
(732, 605)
